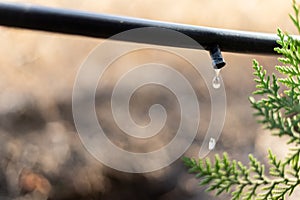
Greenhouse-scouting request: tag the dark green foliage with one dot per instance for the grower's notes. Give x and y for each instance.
(278, 109)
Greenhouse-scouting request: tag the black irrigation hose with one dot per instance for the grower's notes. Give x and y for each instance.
(104, 26)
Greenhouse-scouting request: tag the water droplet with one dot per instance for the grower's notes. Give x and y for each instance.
(216, 82)
(211, 144)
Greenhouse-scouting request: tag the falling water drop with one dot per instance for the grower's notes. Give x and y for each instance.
(216, 82)
(212, 143)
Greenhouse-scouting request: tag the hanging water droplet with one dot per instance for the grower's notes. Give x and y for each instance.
(216, 82)
(212, 143)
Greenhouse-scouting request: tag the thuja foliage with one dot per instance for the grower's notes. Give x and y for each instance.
(278, 109)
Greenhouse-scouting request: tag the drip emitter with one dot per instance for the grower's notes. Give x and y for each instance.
(217, 59)
(218, 62)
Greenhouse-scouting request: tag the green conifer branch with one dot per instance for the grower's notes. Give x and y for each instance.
(278, 109)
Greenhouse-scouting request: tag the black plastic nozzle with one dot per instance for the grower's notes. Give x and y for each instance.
(217, 59)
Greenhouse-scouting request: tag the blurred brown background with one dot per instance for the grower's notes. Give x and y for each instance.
(40, 153)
